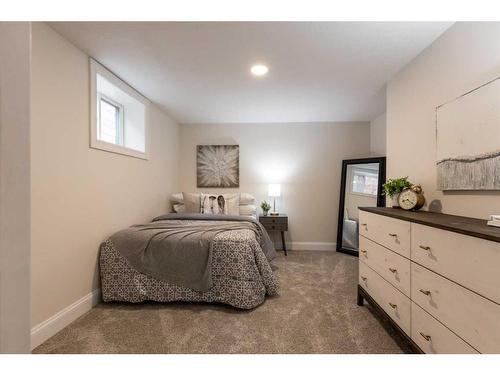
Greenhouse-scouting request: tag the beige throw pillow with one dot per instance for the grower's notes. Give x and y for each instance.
(232, 204)
(192, 202)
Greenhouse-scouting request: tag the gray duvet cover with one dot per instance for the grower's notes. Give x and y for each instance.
(177, 248)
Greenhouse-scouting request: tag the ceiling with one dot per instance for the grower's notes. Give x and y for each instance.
(199, 71)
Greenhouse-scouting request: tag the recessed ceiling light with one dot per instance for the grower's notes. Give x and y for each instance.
(259, 70)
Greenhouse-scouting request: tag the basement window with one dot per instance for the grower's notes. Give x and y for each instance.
(364, 182)
(119, 115)
(109, 120)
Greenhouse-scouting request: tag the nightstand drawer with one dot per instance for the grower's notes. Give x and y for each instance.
(275, 226)
(274, 223)
(273, 220)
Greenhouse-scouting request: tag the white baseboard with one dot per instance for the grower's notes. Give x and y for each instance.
(315, 246)
(55, 323)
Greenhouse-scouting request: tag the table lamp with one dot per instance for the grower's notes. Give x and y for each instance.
(274, 191)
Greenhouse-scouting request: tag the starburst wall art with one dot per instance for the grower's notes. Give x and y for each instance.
(218, 166)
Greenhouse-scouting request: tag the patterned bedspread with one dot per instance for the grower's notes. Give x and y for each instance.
(241, 274)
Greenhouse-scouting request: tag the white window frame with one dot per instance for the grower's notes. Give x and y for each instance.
(95, 142)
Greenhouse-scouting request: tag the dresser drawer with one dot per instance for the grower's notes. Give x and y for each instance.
(391, 233)
(388, 264)
(470, 261)
(472, 317)
(394, 303)
(433, 337)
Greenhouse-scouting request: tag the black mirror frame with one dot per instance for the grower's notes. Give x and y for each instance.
(380, 196)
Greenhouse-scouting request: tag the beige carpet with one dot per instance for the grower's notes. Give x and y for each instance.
(315, 313)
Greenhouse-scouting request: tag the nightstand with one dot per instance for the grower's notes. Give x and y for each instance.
(276, 222)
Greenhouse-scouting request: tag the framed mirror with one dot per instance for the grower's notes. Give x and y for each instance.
(361, 186)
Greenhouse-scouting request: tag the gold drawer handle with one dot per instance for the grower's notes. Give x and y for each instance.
(364, 224)
(426, 292)
(364, 251)
(426, 248)
(393, 270)
(363, 278)
(426, 337)
(393, 234)
(393, 305)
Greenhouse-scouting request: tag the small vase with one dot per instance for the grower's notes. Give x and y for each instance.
(265, 212)
(394, 201)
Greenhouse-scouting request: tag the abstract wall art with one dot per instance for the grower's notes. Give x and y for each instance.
(468, 140)
(218, 166)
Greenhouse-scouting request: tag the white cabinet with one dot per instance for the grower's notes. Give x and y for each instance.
(467, 260)
(388, 264)
(433, 337)
(445, 285)
(394, 303)
(472, 317)
(391, 233)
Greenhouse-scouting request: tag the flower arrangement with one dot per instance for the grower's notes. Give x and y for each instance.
(394, 186)
(265, 207)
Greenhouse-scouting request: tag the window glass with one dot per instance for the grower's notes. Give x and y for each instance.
(109, 122)
(364, 182)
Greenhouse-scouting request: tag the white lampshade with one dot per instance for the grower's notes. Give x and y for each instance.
(274, 190)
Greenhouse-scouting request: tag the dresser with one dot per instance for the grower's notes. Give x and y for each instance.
(435, 277)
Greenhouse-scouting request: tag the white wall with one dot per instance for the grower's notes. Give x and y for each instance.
(82, 195)
(464, 57)
(305, 158)
(378, 129)
(14, 187)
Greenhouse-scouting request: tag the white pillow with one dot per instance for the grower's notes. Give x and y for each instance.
(248, 210)
(246, 199)
(177, 198)
(179, 208)
(225, 204)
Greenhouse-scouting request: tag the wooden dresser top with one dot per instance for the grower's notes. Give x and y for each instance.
(459, 224)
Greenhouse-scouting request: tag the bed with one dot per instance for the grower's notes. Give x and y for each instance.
(234, 267)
